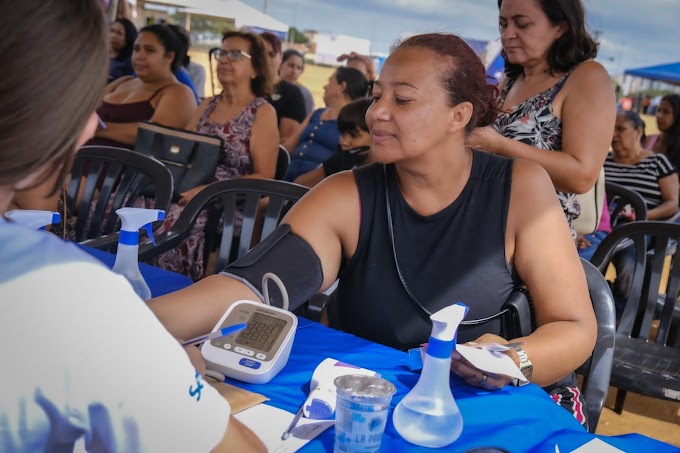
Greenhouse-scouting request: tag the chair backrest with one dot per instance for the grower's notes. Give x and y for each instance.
(105, 178)
(282, 163)
(618, 197)
(596, 371)
(646, 305)
(261, 202)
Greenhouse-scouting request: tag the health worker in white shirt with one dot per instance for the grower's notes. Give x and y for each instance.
(85, 364)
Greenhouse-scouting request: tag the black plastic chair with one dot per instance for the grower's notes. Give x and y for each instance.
(645, 363)
(282, 163)
(226, 197)
(618, 197)
(519, 321)
(105, 178)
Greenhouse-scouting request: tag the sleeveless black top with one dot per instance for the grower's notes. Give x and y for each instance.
(455, 255)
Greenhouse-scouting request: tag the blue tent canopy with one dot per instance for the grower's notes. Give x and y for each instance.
(669, 73)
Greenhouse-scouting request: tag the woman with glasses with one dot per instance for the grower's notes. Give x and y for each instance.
(247, 123)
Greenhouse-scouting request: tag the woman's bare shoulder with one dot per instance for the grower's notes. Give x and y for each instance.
(529, 177)
(588, 72)
(177, 89)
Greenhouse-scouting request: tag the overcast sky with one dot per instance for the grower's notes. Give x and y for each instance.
(633, 33)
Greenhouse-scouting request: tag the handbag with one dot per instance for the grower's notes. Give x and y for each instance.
(592, 203)
(190, 156)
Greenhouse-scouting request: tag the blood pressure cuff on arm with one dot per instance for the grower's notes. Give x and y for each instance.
(287, 255)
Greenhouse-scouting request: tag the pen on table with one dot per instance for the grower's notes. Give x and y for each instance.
(216, 334)
(286, 433)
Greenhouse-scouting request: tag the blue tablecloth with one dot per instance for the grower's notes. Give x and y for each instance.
(160, 281)
(516, 419)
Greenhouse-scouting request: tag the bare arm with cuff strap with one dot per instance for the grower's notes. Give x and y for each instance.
(305, 252)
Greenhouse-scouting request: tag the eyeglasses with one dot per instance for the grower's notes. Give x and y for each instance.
(231, 55)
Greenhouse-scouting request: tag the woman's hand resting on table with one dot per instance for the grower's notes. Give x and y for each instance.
(474, 376)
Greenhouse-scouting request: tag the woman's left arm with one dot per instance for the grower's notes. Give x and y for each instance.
(264, 143)
(588, 113)
(547, 262)
(669, 187)
(541, 250)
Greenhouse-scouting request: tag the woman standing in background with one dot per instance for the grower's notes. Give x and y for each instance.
(557, 104)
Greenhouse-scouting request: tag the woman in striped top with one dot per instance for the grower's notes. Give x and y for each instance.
(648, 173)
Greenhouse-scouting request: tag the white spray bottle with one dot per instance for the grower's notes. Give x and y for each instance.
(428, 415)
(33, 219)
(126, 263)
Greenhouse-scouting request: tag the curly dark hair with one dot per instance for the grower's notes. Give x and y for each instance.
(573, 47)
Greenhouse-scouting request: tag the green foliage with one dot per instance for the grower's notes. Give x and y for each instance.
(296, 36)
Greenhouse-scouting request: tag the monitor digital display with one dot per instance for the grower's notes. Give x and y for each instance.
(261, 333)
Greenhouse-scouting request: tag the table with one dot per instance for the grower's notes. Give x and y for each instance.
(515, 418)
(160, 281)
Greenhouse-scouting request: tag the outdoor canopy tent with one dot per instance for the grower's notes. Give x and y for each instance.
(669, 73)
(242, 14)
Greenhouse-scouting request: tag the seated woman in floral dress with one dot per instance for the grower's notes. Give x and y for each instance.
(246, 122)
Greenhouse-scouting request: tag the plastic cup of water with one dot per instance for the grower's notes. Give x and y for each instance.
(361, 412)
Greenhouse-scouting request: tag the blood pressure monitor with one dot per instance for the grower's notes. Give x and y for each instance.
(257, 353)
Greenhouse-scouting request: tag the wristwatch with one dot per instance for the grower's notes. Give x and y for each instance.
(525, 366)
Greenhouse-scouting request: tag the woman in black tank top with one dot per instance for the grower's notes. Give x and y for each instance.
(430, 223)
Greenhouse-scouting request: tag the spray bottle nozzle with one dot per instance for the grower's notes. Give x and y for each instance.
(445, 324)
(149, 232)
(33, 219)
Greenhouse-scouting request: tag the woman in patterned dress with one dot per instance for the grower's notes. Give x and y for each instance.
(555, 97)
(246, 122)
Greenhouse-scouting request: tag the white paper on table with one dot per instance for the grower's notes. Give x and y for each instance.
(490, 362)
(597, 446)
(269, 423)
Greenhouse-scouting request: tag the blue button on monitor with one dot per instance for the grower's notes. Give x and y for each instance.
(250, 363)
